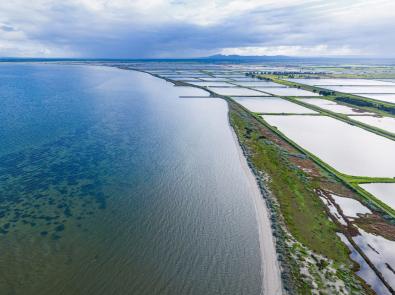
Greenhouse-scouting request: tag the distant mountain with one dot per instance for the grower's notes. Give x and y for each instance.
(297, 59)
(235, 57)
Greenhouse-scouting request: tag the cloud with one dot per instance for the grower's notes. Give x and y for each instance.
(6, 28)
(181, 28)
(293, 50)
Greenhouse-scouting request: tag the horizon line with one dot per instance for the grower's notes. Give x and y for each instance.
(213, 57)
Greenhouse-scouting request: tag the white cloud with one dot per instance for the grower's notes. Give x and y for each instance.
(143, 28)
(294, 50)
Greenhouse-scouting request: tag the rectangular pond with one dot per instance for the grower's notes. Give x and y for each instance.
(349, 82)
(259, 84)
(332, 106)
(387, 80)
(192, 73)
(385, 123)
(274, 105)
(178, 78)
(230, 76)
(215, 79)
(237, 91)
(241, 79)
(348, 149)
(289, 91)
(209, 84)
(363, 89)
(186, 79)
(385, 192)
(383, 97)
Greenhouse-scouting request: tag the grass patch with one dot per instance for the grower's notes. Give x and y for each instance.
(303, 211)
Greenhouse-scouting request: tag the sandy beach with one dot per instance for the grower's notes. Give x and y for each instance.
(270, 270)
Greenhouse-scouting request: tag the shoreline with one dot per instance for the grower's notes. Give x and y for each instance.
(272, 278)
(272, 281)
(270, 266)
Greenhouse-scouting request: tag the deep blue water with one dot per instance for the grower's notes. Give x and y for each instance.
(112, 184)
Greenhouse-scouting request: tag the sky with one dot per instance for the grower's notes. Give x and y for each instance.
(182, 29)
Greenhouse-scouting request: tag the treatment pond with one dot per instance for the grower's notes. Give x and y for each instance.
(349, 149)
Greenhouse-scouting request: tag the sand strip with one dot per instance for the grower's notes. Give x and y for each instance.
(270, 270)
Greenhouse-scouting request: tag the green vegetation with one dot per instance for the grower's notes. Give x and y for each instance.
(304, 213)
(348, 180)
(386, 108)
(343, 71)
(364, 179)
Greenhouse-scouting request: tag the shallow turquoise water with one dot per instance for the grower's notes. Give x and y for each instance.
(112, 184)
